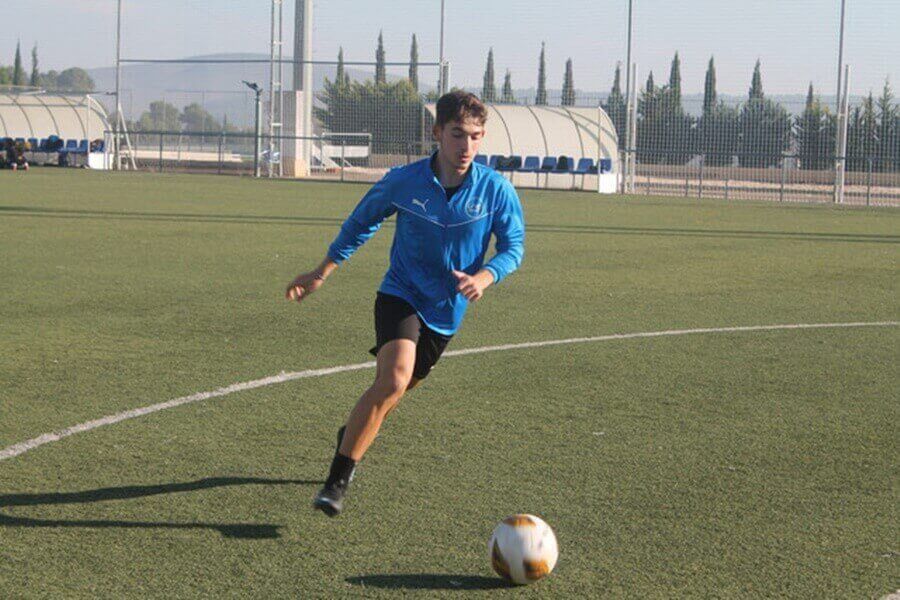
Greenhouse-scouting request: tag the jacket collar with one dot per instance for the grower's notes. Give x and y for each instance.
(471, 175)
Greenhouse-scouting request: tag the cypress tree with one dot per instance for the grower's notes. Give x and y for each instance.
(811, 134)
(615, 105)
(756, 90)
(380, 74)
(508, 97)
(35, 74)
(869, 131)
(541, 97)
(568, 90)
(709, 89)
(765, 128)
(488, 89)
(675, 81)
(414, 63)
(18, 70)
(340, 77)
(887, 128)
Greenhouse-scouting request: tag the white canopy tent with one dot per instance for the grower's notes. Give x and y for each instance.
(576, 132)
(39, 115)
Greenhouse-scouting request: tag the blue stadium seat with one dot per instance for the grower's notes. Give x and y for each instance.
(585, 167)
(532, 164)
(33, 143)
(493, 161)
(481, 159)
(17, 140)
(42, 144)
(71, 144)
(605, 165)
(549, 163)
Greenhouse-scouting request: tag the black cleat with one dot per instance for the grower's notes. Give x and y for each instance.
(330, 499)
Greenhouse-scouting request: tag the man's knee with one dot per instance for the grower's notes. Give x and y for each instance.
(393, 382)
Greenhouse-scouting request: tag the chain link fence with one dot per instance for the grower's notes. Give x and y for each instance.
(336, 157)
(733, 116)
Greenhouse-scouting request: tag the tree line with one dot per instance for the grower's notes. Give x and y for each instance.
(73, 79)
(392, 111)
(757, 133)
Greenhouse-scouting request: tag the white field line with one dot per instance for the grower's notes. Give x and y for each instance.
(46, 438)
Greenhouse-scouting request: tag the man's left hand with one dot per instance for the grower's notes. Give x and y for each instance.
(473, 286)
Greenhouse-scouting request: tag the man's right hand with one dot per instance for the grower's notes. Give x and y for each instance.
(303, 285)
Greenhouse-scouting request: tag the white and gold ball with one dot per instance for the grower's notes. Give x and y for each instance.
(523, 549)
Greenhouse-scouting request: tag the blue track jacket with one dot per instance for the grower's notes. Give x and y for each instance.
(435, 236)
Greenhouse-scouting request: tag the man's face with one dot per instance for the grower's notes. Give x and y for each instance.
(459, 142)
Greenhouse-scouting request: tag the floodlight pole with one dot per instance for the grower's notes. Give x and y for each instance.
(629, 115)
(258, 134)
(840, 166)
(258, 91)
(628, 51)
(442, 78)
(116, 162)
(840, 65)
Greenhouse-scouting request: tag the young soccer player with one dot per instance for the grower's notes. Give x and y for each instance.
(447, 208)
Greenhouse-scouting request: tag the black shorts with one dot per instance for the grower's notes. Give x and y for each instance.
(396, 319)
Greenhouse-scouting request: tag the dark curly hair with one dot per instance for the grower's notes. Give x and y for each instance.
(458, 106)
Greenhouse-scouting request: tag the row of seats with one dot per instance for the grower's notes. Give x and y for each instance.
(549, 164)
(56, 144)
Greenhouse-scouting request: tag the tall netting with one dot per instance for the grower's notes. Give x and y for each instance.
(731, 100)
(375, 76)
(740, 101)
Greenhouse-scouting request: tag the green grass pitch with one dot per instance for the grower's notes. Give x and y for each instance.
(729, 465)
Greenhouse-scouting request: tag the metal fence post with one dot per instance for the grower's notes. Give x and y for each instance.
(783, 175)
(700, 189)
(869, 183)
(221, 155)
(160, 152)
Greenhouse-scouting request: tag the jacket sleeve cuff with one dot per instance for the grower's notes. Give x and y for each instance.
(493, 271)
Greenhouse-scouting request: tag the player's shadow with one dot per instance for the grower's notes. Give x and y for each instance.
(231, 530)
(429, 581)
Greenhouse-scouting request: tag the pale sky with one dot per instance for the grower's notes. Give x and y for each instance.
(796, 40)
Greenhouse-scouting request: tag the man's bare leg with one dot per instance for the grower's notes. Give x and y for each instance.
(394, 367)
(393, 378)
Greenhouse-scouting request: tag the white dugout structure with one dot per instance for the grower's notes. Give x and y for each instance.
(38, 115)
(549, 131)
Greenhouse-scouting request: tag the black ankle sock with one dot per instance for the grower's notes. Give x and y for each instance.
(341, 469)
(340, 438)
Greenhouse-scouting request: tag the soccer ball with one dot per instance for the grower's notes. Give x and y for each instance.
(523, 549)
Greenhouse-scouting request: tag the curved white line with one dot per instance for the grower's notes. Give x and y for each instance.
(46, 438)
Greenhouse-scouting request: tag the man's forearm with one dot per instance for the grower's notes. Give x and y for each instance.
(326, 267)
